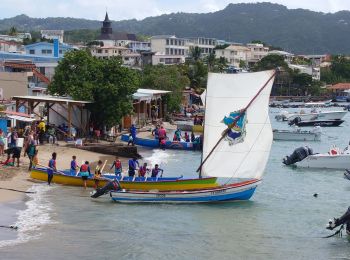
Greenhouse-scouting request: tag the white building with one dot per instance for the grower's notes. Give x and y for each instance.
(206, 45)
(52, 34)
(234, 54)
(257, 52)
(315, 72)
(129, 58)
(168, 50)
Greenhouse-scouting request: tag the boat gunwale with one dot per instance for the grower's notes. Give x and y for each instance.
(198, 191)
(152, 181)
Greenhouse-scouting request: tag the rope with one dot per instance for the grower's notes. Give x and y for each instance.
(28, 192)
(11, 227)
(235, 121)
(338, 232)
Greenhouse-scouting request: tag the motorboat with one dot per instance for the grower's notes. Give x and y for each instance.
(324, 123)
(313, 115)
(334, 159)
(297, 134)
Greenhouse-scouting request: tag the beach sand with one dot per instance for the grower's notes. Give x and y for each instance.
(18, 177)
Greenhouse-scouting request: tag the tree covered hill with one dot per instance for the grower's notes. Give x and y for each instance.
(295, 30)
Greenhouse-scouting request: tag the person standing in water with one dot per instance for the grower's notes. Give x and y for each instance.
(118, 168)
(98, 173)
(52, 168)
(161, 135)
(156, 171)
(85, 172)
(132, 166)
(74, 166)
(143, 170)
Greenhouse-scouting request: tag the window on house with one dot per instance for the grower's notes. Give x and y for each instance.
(31, 51)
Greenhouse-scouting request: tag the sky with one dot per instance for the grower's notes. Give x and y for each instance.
(139, 9)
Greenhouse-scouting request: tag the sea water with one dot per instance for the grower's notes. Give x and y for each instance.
(283, 220)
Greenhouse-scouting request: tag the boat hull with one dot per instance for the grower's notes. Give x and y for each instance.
(154, 143)
(323, 116)
(326, 123)
(161, 184)
(238, 191)
(281, 135)
(326, 161)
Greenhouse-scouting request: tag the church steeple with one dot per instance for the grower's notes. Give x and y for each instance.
(106, 29)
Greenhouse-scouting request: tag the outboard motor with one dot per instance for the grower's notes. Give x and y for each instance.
(295, 121)
(298, 155)
(343, 220)
(112, 185)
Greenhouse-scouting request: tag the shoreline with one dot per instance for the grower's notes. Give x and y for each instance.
(18, 178)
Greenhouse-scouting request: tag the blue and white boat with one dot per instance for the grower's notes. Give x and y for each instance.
(154, 143)
(237, 142)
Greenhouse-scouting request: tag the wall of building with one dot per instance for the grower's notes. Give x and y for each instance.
(13, 84)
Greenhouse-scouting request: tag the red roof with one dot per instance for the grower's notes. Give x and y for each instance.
(340, 86)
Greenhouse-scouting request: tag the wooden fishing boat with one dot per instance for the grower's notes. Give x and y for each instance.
(154, 143)
(137, 183)
(236, 147)
(237, 191)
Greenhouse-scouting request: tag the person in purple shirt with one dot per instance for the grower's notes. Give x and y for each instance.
(74, 166)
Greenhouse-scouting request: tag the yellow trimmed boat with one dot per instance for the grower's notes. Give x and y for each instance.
(138, 183)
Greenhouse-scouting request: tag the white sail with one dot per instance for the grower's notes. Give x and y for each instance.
(245, 156)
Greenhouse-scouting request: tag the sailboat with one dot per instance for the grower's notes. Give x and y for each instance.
(237, 141)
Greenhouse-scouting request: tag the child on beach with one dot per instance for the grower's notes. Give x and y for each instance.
(118, 168)
(85, 172)
(52, 168)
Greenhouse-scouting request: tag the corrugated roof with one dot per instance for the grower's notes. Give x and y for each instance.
(50, 98)
(340, 86)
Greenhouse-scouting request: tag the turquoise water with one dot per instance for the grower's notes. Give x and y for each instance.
(282, 221)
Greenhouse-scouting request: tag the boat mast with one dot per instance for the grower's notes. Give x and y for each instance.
(205, 106)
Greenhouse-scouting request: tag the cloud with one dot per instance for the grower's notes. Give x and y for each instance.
(139, 9)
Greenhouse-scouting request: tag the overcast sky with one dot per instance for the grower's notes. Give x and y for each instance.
(139, 9)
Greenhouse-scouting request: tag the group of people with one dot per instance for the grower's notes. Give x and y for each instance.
(134, 166)
(178, 137)
(85, 171)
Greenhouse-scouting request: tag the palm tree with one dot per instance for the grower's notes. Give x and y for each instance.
(210, 59)
(13, 31)
(195, 53)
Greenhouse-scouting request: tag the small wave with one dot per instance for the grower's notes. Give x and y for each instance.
(158, 157)
(33, 217)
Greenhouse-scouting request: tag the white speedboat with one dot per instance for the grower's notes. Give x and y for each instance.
(334, 159)
(297, 134)
(313, 115)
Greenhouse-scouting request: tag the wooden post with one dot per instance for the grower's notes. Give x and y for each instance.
(160, 108)
(48, 112)
(69, 119)
(145, 111)
(138, 112)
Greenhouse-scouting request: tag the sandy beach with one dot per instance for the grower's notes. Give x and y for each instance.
(18, 177)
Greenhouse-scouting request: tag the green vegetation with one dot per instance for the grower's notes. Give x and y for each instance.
(339, 71)
(170, 78)
(106, 82)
